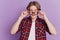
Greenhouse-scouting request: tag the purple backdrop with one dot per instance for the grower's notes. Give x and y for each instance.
(10, 11)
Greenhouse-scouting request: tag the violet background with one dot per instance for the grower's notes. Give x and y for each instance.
(10, 11)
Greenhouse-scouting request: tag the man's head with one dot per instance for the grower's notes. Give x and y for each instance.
(33, 8)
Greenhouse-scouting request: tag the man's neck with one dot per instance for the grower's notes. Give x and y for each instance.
(33, 19)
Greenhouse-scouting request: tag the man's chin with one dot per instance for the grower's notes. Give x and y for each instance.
(33, 17)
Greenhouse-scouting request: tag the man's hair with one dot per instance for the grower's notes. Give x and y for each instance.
(34, 3)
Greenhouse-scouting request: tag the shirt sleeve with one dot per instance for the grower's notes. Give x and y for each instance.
(46, 27)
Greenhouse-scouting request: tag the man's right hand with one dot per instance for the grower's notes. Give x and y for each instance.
(16, 25)
(24, 14)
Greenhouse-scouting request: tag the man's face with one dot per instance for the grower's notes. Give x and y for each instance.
(33, 11)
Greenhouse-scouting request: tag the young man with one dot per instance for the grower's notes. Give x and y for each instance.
(33, 27)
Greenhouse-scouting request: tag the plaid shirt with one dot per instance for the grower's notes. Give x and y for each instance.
(40, 28)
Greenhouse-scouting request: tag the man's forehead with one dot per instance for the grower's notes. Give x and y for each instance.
(33, 7)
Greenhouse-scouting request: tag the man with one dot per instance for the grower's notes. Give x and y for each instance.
(33, 27)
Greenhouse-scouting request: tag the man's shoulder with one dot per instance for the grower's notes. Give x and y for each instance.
(26, 19)
(40, 19)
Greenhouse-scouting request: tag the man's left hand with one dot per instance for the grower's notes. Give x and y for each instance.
(41, 14)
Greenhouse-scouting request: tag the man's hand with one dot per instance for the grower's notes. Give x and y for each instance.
(24, 14)
(42, 14)
(51, 27)
(16, 25)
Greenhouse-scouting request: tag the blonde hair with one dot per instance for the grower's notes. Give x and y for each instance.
(35, 3)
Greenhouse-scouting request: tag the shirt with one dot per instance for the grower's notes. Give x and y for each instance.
(32, 32)
(40, 28)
